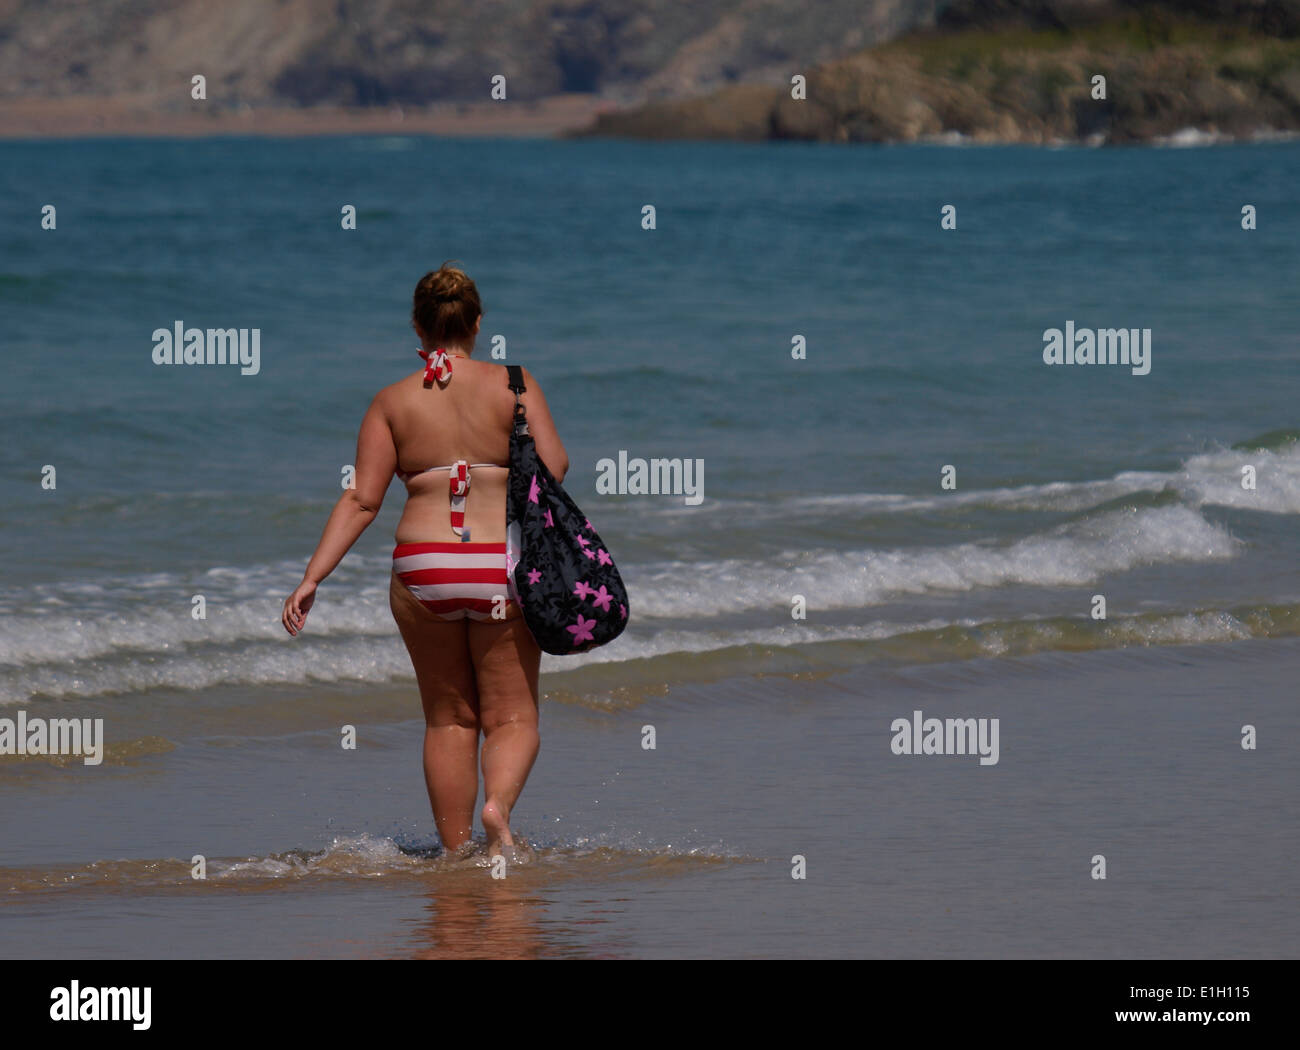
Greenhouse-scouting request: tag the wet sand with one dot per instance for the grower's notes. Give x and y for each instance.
(686, 850)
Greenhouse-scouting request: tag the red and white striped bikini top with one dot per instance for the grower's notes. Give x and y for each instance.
(437, 368)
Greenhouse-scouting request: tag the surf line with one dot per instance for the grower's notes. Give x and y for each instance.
(1102, 346)
(53, 736)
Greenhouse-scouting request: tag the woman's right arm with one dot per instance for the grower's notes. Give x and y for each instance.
(542, 427)
(356, 509)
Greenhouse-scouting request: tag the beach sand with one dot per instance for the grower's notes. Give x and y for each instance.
(686, 850)
(124, 116)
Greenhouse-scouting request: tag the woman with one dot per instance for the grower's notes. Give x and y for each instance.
(476, 664)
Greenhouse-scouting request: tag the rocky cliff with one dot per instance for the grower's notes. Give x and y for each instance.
(1020, 71)
(413, 52)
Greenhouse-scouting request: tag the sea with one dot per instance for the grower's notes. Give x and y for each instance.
(897, 507)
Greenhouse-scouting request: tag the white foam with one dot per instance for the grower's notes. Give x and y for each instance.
(139, 625)
(1209, 478)
(1068, 555)
(1215, 479)
(364, 855)
(1185, 138)
(386, 660)
(371, 660)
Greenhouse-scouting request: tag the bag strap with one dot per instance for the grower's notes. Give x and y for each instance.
(516, 382)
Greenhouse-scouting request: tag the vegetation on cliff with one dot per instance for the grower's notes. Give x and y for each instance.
(1009, 80)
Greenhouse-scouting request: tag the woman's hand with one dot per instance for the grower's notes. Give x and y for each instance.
(356, 509)
(297, 606)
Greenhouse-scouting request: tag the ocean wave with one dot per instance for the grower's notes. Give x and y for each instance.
(1205, 479)
(640, 666)
(134, 633)
(804, 650)
(1072, 554)
(149, 617)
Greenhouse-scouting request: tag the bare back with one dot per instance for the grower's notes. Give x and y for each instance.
(468, 418)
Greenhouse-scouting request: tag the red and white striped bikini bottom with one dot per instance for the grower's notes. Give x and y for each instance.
(456, 580)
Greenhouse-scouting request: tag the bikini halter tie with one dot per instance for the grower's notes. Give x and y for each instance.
(437, 365)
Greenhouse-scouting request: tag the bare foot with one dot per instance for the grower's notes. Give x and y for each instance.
(496, 822)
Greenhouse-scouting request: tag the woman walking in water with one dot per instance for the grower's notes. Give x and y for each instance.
(475, 661)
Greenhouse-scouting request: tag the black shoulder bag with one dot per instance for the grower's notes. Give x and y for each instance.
(561, 573)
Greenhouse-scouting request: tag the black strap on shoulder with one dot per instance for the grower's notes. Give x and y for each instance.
(516, 378)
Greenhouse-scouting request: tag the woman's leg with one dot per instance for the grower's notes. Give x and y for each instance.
(441, 658)
(506, 660)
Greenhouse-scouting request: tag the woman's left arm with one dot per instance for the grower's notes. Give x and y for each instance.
(356, 509)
